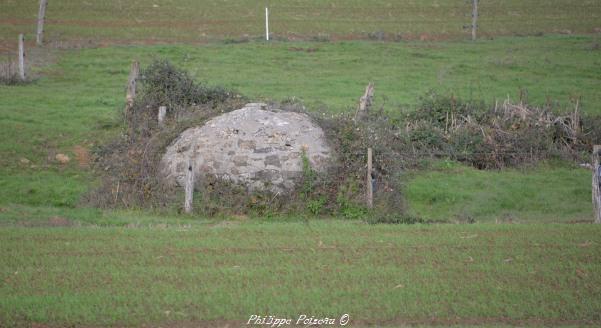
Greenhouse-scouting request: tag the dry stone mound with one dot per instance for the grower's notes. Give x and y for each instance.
(257, 147)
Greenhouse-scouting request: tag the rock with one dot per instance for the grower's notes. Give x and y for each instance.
(62, 158)
(24, 161)
(257, 147)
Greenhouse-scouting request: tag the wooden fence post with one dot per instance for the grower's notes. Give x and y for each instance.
(370, 190)
(41, 17)
(365, 102)
(597, 183)
(189, 187)
(131, 86)
(22, 57)
(474, 19)
(162, 113)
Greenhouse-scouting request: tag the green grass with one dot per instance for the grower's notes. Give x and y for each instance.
(52, 216)
(503, 274)
(77, 97)
(459, 193)
(193, 21)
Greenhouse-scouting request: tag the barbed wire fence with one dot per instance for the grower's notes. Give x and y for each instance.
(438, 21)
(330, 20)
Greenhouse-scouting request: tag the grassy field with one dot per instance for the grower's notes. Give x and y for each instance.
(551, 69)
(217, 274)
(198, 21)
(549, 193)
(64, 264)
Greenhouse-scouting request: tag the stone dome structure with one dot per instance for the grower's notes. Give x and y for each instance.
(257, 147)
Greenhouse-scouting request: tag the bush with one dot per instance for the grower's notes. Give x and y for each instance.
(130, 163)
(508, 135)
(164, 84)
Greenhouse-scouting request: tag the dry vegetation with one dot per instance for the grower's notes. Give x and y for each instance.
(501, 135)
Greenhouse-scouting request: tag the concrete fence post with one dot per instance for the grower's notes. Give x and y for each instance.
(41, 18)
(21, 57)
(266, 23)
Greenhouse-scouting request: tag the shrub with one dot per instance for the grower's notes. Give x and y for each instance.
(489, 137)
(166, 85)
(162, 84)
(130, 163)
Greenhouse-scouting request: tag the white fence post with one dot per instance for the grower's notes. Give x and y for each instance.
(22, 57)
(266, 23)
(41, 17)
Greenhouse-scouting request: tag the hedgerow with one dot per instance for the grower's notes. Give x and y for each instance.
(481, 135)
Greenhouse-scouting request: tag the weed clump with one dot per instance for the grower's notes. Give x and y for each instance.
(10, 76)
(398, 218)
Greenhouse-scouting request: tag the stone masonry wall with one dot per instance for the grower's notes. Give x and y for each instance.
(254, 146)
